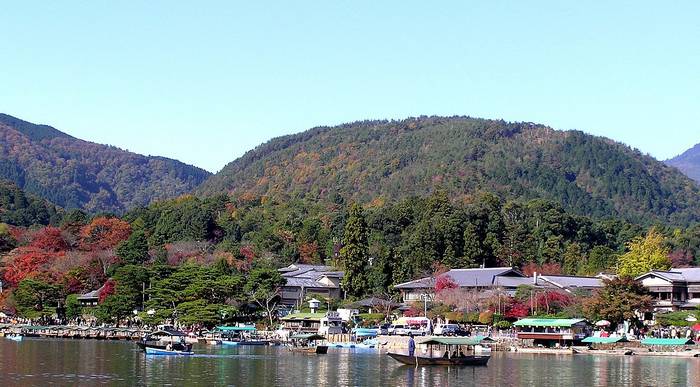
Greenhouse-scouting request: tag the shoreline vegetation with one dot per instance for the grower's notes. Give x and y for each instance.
(199, 262)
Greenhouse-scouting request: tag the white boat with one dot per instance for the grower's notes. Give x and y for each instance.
(15, 337)
(158, 351)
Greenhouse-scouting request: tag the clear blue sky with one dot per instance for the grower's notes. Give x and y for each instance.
(204, 83)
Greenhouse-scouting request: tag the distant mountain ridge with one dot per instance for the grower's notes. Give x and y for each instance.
(74, 173)
(688, 162)
(376, 161)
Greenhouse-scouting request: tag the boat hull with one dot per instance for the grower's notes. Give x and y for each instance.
(441, 361)
(163, 346)
(319, 349)
(158, 351)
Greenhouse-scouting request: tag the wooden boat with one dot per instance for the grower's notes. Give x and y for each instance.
(451, 345)
(455, 361)
(306, 343)
(158, 351)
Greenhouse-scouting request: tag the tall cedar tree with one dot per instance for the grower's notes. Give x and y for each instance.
(355, 253)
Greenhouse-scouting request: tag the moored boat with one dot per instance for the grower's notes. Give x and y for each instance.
(307, 343)
(456, 361)
(15, 337)
(158, 351)
(452, 355)
(238, 335)
(165, 340)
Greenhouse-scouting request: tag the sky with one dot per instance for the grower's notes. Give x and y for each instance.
(203, 82)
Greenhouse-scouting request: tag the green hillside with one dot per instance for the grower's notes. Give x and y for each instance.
(79, 174)
(21, 209)
(378, 161)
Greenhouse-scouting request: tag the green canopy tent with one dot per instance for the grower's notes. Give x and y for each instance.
(667, 342)
(604, 340)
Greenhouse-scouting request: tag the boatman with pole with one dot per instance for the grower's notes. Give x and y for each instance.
(411, 345)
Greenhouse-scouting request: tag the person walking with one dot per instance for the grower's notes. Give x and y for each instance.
(411, 345)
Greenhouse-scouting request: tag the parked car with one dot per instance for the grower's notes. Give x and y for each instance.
(418, 330)
(383, 329)
(398, 329)
(448, 330)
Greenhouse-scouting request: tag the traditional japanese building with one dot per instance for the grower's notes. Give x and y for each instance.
(506, 279)
(302, 280)
(675, 289)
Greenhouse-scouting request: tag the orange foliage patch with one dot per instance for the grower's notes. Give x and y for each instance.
(104, 233)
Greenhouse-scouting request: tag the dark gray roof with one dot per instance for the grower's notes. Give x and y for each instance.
(690, 274)
(481, 277)
(91, 295)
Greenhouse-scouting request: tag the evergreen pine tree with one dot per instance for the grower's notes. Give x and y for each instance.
(355, 253)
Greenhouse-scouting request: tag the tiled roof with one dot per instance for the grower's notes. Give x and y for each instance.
(673, 275)
(690, 274)
(512, 282)
(91, 295)
(481, 277)
(307, 276)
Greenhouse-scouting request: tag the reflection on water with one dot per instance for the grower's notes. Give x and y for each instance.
(74, 362)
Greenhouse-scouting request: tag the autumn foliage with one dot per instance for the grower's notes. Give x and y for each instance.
(444, 282)
(545, 269)
(49, 239)
(107, 290)
(104, 233)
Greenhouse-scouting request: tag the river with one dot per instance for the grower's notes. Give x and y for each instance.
(41, 362)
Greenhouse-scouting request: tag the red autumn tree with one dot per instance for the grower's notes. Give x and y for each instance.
(517, 309)
(107, 290)
(681, 258)
(104, 233)
(28, 262)
(49, 239)
(444, 282)
(552, 301)
(412, 312)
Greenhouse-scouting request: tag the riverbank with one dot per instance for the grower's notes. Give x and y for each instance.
(388, 343)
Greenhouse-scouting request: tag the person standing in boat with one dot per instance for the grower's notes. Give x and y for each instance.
(411, 345)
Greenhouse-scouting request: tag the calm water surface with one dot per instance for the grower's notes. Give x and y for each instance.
(43, 362)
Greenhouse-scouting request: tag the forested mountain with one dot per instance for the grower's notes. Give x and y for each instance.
(20, 209)
(688, 162)
(73, 173)
(379, 161)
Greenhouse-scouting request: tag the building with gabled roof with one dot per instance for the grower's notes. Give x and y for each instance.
(90, 298)
(674, 289)
(304, 279)
(507, 279)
